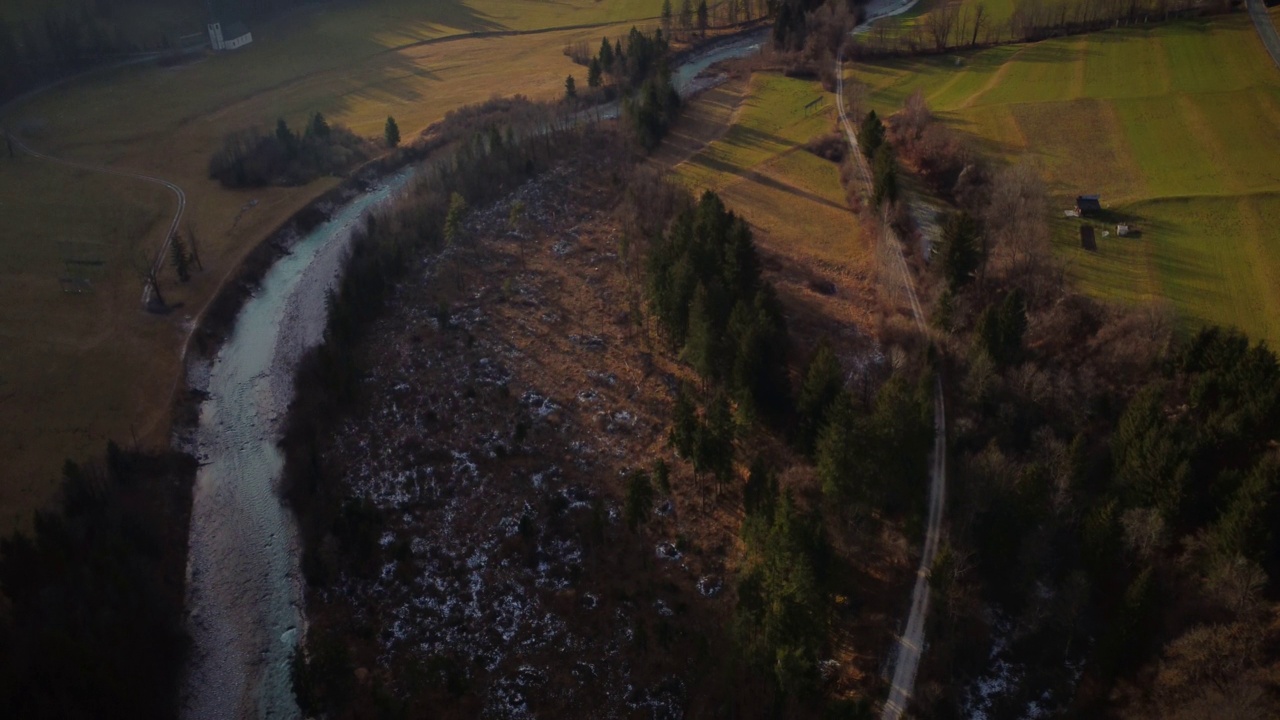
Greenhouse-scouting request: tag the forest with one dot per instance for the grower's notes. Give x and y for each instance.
(94, 619)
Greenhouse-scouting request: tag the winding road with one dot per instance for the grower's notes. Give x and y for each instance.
(1266, 29)
(910, 645)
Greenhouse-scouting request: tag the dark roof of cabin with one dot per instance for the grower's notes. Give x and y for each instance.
(1090, 201)
(235, 30)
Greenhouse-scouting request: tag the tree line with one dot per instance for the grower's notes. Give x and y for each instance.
(639, 72)
(1113, 490)
(254, 158)
(709, 302)
(95, 592)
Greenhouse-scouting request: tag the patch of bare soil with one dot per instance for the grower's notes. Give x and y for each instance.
(510, 392)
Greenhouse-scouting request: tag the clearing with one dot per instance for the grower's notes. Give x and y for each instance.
(756, 160)
(1174, 127)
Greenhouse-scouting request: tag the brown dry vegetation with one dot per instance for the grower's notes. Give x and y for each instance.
(76, 370)
(542, 382)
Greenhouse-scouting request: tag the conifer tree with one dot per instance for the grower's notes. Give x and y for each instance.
(684, 425)
(392, 132)
(823, 385)
(606, 56)
(960, 250)
(593, 73)
(702, 17)
(871, 134)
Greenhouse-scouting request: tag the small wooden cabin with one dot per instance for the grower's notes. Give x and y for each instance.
(1088, 205)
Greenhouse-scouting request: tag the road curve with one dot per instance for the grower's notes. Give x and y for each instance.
(1266, 29)
(910, 645)
(178, 194)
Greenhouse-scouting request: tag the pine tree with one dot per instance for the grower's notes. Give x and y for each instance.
(593, 73)
(392, 132)
(870, 134)
(318, 127)
(884, 176)
(684, 425)
(1001, 328)
(570, 89)
(666, 17)
(823, 385)
(715, 449)
(606, 56)
(286, 138)
(453, 219)
(702, 17)
(837, 453)
(703, 345)
(960, 252)
(686, 14)
(639, 500)
(760, 494)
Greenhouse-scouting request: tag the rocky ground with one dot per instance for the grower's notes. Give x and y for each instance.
(510, 393)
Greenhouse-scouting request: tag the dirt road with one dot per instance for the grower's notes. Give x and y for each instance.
(178, 194)
(1266, 29)
(910, 644)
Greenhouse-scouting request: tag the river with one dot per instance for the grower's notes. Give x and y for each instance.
(244, 587)
(243, 590)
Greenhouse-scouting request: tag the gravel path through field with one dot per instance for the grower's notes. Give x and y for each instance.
(1266, 29)
(910, 645)
(178, 194)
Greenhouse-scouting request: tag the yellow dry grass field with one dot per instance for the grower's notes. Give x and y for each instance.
(79, 369)
(792, 198)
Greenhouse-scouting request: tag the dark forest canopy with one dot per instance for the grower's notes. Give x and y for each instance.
(94, 621)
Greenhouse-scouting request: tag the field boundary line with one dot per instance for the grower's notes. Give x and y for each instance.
(909, 646)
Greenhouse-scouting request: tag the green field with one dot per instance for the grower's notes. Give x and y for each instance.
(746, 141)
(1178, 128)
(761, 169)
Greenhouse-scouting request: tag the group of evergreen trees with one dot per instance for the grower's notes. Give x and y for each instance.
(253, 158)
(781, 618)
(884, 162)
(94, 595)
(711, 304)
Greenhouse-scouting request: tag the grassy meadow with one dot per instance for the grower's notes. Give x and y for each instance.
(1177, 127)
(77, 370)
(745, 140)
(761, 169)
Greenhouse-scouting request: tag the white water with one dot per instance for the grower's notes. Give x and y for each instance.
(244, 587)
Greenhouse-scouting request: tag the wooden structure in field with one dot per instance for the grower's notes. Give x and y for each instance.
(1087, 240)
(1088, 205)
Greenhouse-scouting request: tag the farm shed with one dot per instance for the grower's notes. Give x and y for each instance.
(1088, 204)
(1087, 240)
(234, 35)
